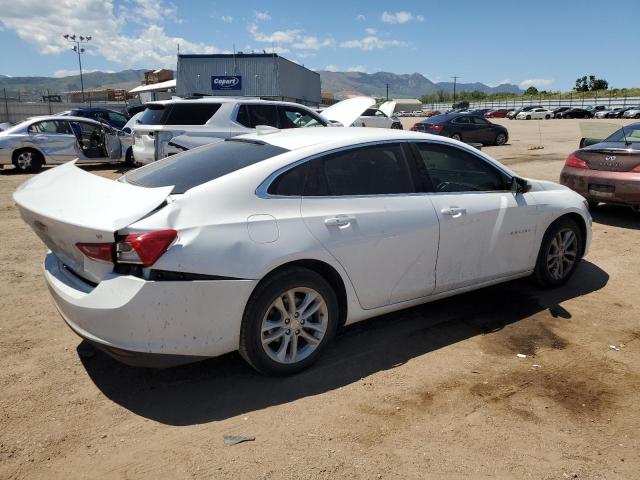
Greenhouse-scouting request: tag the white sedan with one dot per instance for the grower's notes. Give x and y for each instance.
(266, 243)
(535, 114)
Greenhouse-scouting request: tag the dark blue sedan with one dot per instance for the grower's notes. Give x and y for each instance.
(464, 127)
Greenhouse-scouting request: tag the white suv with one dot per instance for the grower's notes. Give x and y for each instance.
(172, 126)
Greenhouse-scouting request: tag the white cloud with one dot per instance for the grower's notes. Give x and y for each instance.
(535, 82)
(370, 31)
(153, 10)
(68, 73)
(262, 16)
(372, 42)
(313, 43)
(357, 68)
(226, 18)
(280, 36)
(500, 82)
(400, 17)
(42, 24)
(331, 68)
(305, 54)
(361, 18)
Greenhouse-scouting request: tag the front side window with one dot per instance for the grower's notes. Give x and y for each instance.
(253, 115)
(452, 169)
(50, 127)
(479, 121)
(291, 117)
(117, 120)
(462, 120)
(369, 112)
(372, 170)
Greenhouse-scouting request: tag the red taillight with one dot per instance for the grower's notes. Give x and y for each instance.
(97, 251)
(145, 248)
(436, 128)
(635, 169)
(575, 162)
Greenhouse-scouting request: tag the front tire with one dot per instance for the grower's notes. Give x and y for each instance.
(288, 322)
(456, 136)
(559, 254)
(528, 117)
(27, 160)
(501, 139)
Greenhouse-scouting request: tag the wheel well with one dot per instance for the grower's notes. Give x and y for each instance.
(35, 150)
(327, 272)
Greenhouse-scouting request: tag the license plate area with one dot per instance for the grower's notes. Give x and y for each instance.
(604, 191)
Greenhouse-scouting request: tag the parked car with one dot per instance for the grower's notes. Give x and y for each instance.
(595, 108)
(381, 117)
(632, 112)
(576, 113)
(617, 112)
(608, 171)
(514, 113)
(557, 112)
(535, 114)
(464, 127)
(172, 126)
(173, 263)
(53, 139)
(602, 113)
(431, 113)
(497, 113)
(480, 111)
(104, 115)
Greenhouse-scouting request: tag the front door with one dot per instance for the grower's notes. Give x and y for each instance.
(486, 232)
(361, 205)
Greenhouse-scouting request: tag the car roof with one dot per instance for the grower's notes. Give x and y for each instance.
(62, 118)
(225, 99)
(297, 138)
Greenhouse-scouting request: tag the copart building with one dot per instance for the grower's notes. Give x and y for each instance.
(264, 75)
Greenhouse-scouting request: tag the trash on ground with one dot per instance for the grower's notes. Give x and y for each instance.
(521, 355)
(613, 347)
(235, 439)
(535, 365)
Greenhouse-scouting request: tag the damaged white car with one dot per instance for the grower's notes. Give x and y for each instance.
(173, 126)
(266, 243)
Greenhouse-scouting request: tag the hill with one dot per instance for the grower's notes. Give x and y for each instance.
(344, 84)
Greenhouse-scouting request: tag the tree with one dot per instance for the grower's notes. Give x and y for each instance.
(590, 83)
(531, 91)
(600, 84)
(581, 84)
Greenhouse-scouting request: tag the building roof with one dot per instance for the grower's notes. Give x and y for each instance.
(155, 87)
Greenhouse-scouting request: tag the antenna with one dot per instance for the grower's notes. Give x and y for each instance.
(624, 134)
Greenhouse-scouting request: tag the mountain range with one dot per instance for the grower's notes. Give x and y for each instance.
(341, 84)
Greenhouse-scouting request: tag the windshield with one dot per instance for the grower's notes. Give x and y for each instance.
(201, 165)
(632, 134)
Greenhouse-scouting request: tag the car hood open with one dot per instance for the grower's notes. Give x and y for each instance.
(348, 111)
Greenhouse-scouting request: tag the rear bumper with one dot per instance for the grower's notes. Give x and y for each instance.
(135, 320)
(625, 185)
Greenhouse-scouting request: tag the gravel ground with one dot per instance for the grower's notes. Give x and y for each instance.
(435, 391)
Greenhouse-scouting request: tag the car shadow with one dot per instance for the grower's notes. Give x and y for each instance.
(226, 386)
(616, 216)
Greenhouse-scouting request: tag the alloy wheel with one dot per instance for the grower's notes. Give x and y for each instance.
(294, 325)
(562, 253)
(24, 160)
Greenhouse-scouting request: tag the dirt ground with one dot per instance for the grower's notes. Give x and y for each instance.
(436, 391)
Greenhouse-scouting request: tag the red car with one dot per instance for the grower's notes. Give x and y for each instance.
(498, 113)
(433, 112)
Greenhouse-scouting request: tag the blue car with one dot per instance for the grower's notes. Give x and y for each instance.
(103, 115)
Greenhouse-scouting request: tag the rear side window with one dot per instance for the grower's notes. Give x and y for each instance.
(375, 170)
(179, 114)
(201, 165)
(253, 115)
(291, 182)
(452, 169)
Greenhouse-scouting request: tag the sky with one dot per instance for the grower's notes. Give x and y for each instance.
(544, 43)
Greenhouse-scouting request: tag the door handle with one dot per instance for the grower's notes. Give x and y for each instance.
(339, 221)
(454, 212)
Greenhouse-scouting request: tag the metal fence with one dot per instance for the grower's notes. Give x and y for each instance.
(517, 102)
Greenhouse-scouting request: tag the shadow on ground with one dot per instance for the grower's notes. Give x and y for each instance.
(224, 387)
(616, 216)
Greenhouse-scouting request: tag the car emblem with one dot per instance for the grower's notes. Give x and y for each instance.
(610, 158)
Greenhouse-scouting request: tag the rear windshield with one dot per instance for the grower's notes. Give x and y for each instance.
(439, 118)
(630, 133)
(179, 114)
(190, 169)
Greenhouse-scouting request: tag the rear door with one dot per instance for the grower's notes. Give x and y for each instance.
(462, 126)
(361, 205)
(55, 139)
(486, 232)
(483, 130)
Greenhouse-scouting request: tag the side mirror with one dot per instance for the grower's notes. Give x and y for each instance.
(519, 185)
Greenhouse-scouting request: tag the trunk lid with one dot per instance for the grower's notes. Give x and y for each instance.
(66, 205)
(388, 108)
(610, 157)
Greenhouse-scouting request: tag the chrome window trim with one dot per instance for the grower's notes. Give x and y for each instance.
(262, 190)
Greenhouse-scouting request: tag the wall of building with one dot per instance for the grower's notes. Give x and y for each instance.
(262, 75)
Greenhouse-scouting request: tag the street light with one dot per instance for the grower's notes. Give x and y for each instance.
(79, 50)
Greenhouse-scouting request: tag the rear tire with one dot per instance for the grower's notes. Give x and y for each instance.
(547, 116)
(28, 160)
(560, 251)
(456, 136)
(128, 158)
(288, 322)
(528, 117)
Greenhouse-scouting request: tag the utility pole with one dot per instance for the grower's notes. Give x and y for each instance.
(455, 81)
(79, 50)
(387, 92)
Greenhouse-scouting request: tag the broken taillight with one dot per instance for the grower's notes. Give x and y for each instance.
(97, 251)
(144, 248)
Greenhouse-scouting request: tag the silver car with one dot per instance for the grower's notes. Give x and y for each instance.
(53, 140)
